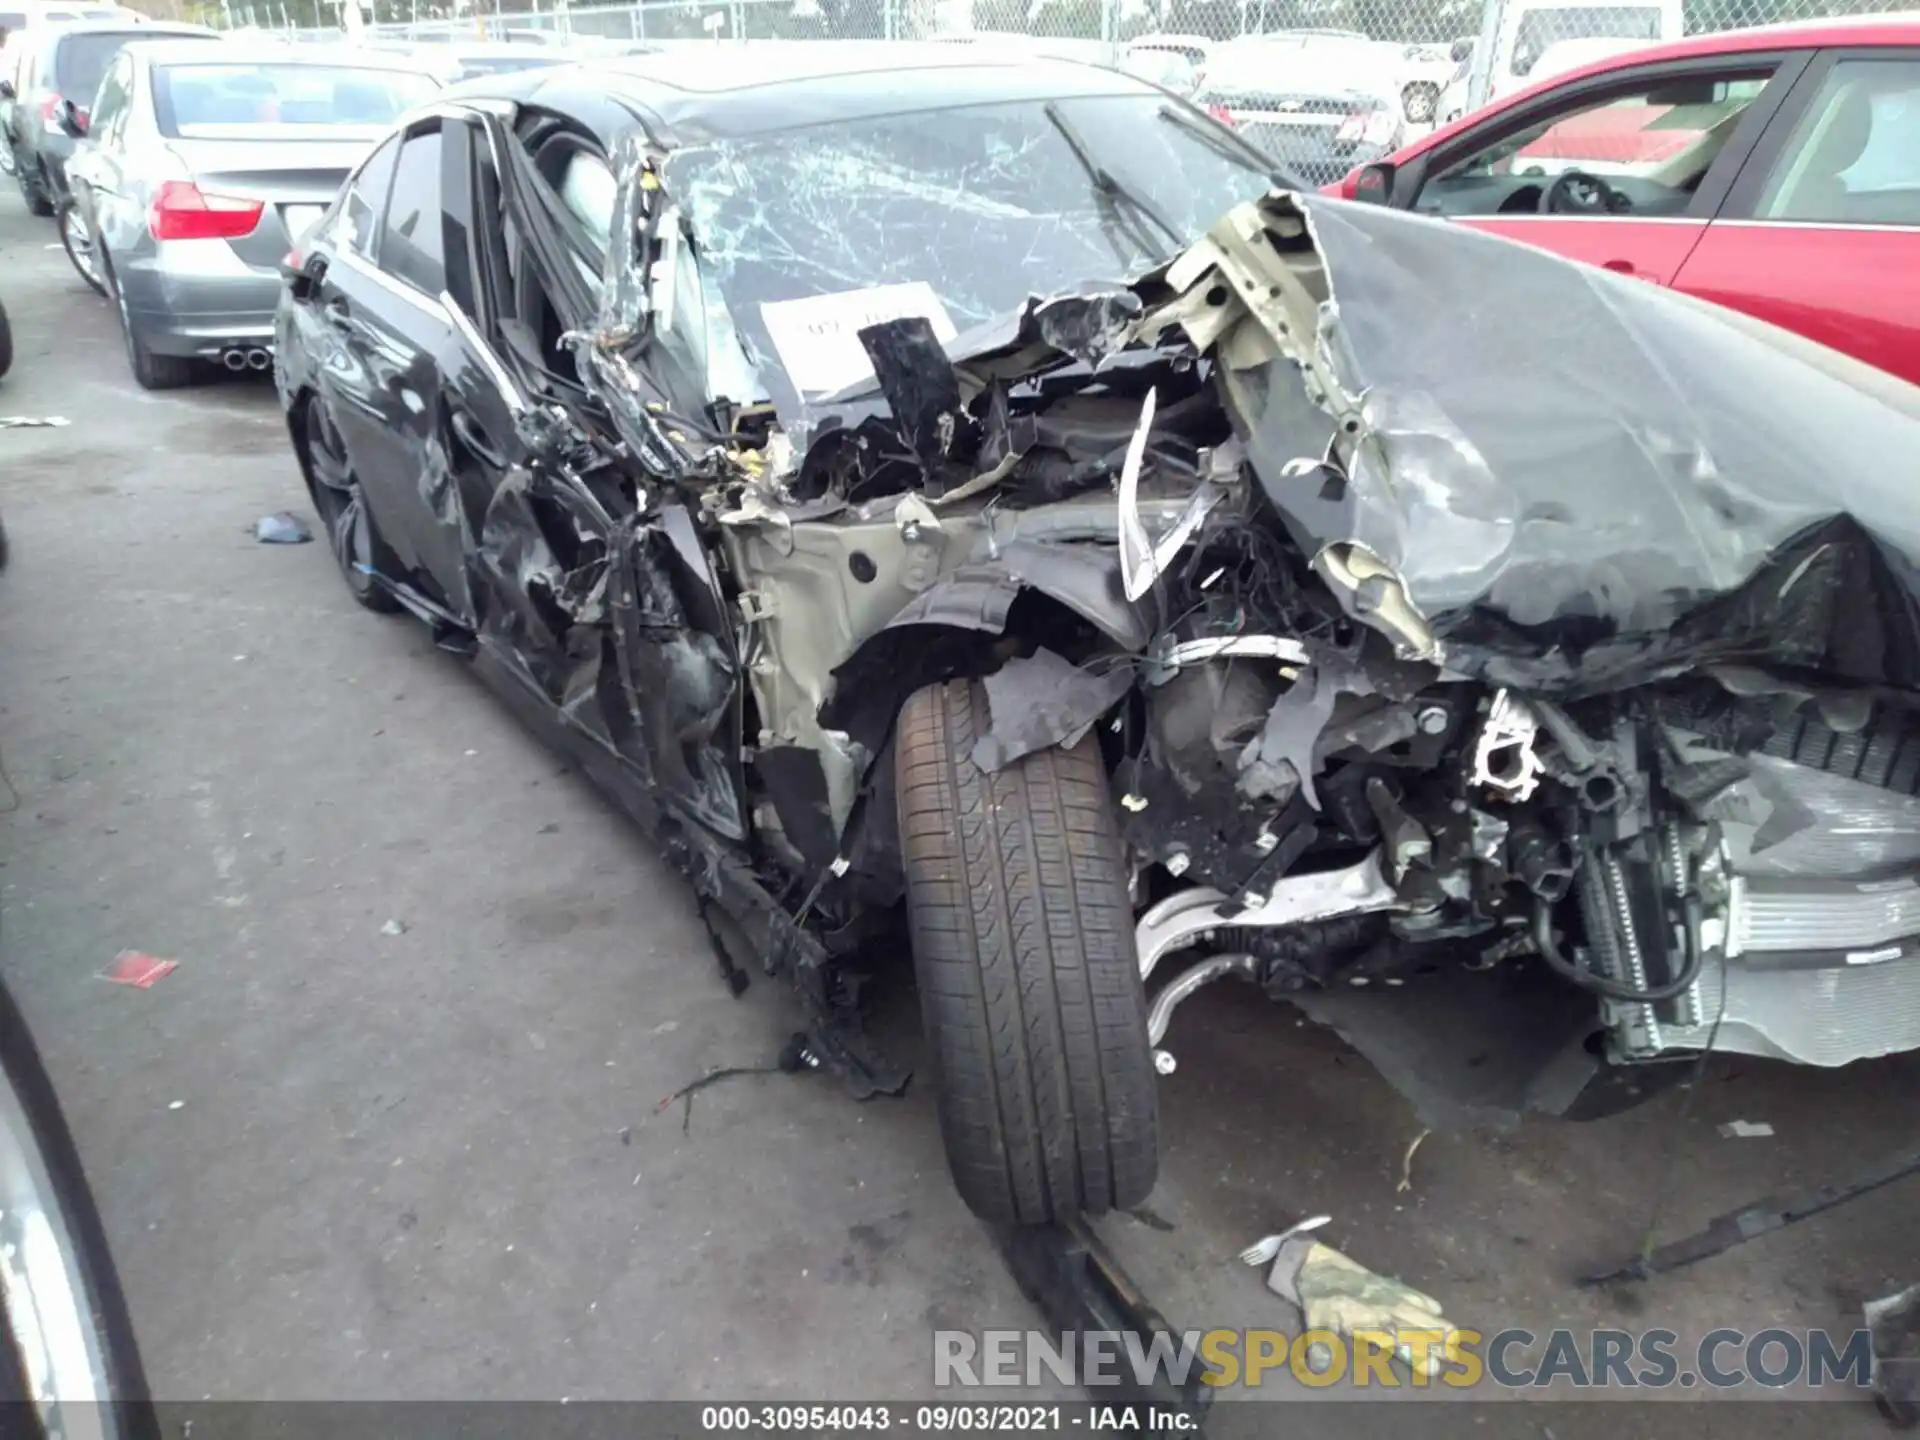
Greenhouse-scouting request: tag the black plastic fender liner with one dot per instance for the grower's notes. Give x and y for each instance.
(939, 634)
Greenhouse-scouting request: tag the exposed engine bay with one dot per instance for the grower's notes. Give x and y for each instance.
(1429, 659)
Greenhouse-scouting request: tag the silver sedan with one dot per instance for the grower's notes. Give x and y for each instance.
(198, 172)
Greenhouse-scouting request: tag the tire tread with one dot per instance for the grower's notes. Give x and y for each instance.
(1023, 945)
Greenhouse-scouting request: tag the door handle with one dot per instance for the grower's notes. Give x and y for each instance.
(1619, 267)
(468, 432)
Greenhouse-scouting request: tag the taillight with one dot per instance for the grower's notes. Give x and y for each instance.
(1373, 126)
(1222, 114)
(47, 102)
(182, 212)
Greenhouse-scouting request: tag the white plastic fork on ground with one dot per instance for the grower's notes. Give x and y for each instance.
(1262, 1251)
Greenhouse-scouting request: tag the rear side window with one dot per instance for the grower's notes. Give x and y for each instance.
(110, 103)
(367, 199)
(11, 20)
(1854, 158)
(80, 63)
(411, 240)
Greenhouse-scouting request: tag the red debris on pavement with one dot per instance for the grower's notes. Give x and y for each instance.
(131, 967)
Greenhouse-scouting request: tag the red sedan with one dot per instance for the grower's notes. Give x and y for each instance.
(1775, 170)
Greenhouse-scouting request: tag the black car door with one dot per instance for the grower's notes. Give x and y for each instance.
(427, 428)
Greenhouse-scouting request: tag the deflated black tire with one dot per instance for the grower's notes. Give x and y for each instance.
(1029, 986)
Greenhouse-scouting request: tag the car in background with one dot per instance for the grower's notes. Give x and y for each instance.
(1773, 170)
(468, 62)
(1531, 30)
(1194, 49)
(18, 19)
(1319, 103)
(1424, 73)
(1168, 69)
(200, 168)
(64, 64)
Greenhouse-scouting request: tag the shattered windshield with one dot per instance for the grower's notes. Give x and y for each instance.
(957, 215)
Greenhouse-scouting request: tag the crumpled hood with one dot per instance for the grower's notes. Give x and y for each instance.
(1554, 476)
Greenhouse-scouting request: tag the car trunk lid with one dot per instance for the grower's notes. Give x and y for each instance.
(293, 180)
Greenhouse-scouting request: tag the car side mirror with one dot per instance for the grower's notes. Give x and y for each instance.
(6, 90)
(1373, 184)
(1460, 50)
(70, 120)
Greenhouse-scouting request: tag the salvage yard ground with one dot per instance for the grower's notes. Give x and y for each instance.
(337, 1162)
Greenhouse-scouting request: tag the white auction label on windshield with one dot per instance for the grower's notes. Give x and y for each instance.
(819, 338)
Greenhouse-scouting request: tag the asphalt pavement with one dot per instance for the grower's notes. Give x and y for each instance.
(340, 1162)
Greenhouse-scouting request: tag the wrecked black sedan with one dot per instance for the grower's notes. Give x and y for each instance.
(960, 507)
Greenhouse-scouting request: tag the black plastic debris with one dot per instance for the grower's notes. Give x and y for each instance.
(1044, 699)
(282, 528)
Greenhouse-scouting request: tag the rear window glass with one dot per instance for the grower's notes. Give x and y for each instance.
(216, 101)
(80, 61)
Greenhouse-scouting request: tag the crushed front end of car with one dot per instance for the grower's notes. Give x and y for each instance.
(1518, 677)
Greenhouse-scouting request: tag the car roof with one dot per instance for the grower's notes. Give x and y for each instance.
(687, 96)
(1884, 29)
(151, 28)
(271, 52)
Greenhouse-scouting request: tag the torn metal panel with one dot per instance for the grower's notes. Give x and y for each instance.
(1043, 699)
(1701, 525)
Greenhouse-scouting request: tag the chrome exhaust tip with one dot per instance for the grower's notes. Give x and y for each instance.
(259, 359)
(234, 359)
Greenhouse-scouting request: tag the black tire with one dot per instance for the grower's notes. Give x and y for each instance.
(6, 343)
(1030, 989)
(82, 251)
(33, 189)
(150, 371)
(352, 535)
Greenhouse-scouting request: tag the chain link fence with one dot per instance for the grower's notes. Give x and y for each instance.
(1440, 57)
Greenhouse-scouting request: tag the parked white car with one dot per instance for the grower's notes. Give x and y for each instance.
(1533, 30)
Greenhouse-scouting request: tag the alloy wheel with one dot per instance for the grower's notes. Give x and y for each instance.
(343, 511)
(77, 236)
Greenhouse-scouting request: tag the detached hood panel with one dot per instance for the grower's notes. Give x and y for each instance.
(1580, 481)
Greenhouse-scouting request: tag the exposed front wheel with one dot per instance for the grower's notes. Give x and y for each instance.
(1029, 986)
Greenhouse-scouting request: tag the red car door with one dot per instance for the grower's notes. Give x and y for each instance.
(1651, 249)
(1622, 170)
(1821, 232)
